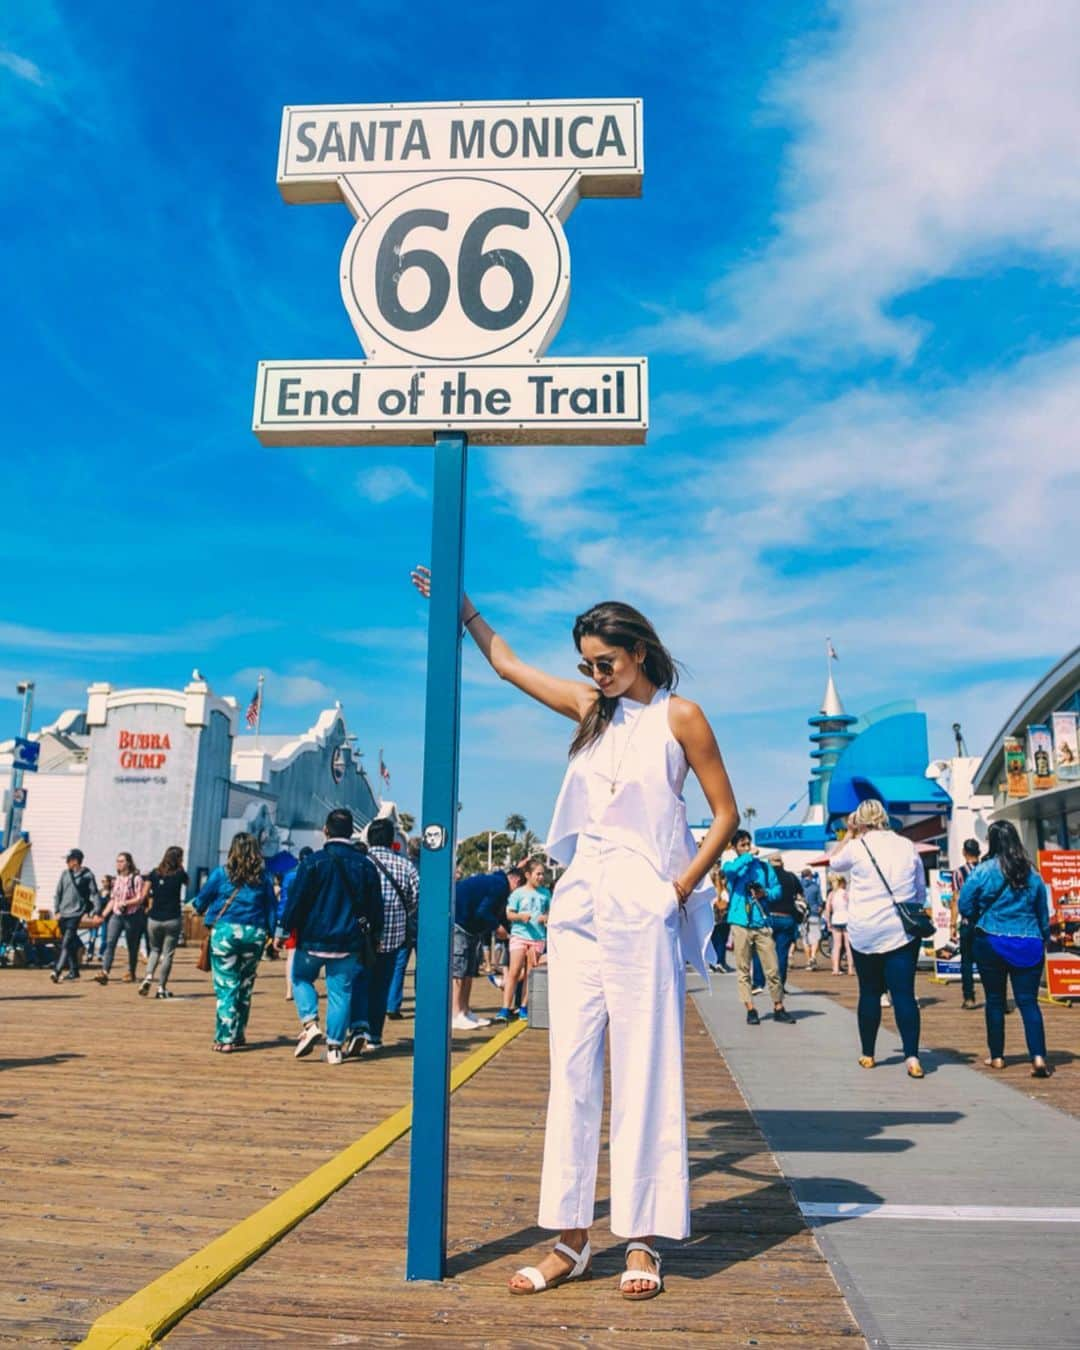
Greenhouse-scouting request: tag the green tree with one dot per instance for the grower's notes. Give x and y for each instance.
(515, 824)
(524, 847)
(472, 853)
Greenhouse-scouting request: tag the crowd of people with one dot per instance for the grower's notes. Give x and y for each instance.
(875, 922)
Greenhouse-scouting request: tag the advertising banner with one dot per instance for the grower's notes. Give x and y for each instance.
(1060, 869)
(940, 897)
(1063, 975)
(22, 902)
(1041, 757)
(1015, 767)
(1066, 749)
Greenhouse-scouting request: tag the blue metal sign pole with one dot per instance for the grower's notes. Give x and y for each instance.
(426, 1256)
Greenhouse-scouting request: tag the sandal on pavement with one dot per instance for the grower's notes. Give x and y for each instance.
(916, 1070)
(1041, 1070)
(866, 1061)
(652, 1277)
(994, 1063)
(580, 1270)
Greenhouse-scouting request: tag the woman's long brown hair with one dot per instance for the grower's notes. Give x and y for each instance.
(172, 861)
(621, 626)
(245, 866)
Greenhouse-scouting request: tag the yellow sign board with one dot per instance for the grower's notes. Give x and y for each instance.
(22, 902)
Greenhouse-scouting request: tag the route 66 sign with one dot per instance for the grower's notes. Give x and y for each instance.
(456, 274)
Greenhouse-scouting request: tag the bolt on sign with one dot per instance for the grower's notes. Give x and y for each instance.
(456, 274)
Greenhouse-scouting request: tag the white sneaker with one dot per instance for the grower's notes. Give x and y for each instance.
(478, 1021)
(333, 1054)
(307, 1039)
(463, 1022)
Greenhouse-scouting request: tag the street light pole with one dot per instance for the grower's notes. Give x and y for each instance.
(14, 814)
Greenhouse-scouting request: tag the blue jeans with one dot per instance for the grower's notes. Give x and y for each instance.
(784, 930)
(893, 971)
(397, 980)
(341, 975)
(995, 973)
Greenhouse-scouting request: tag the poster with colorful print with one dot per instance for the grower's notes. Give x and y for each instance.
(1041, 757)
(1060, 869)
(1063, 975)
(1066, 748)
(1015, 767)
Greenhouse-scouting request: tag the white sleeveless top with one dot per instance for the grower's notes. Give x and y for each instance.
(638, 757)
(641, 760)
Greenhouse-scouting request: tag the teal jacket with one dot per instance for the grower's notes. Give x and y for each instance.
(742, 872)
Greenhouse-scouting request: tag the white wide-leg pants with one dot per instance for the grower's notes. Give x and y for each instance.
(616, 967)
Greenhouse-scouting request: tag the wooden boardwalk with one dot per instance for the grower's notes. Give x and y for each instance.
(125, 1145)
(951, 1032)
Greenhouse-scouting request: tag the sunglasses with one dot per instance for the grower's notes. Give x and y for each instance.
(604, 666)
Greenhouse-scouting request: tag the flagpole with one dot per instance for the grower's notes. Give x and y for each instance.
(258, 709)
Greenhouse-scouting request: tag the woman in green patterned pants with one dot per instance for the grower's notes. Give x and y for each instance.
(238, 905)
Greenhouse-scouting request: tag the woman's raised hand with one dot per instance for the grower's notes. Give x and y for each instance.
(420, 577)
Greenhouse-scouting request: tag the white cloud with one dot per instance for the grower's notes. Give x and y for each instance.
(959, 511)
(385, 482)
(192, 637)
(21, 66)
(290, 691)
(927, 138)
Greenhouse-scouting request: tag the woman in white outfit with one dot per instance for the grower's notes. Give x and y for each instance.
(632, 907)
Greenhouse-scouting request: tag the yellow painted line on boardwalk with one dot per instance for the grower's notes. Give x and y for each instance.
(139, 1321)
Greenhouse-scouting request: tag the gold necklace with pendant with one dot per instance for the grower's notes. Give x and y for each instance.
(626, 747)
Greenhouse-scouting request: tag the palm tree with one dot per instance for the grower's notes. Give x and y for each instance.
(749, 814)
(515, 824)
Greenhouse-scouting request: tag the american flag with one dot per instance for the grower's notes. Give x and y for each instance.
(252, 715)
(384, 772)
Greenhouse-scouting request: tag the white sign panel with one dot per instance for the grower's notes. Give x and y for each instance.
(527, 403)
(458, 258)
(597, 139)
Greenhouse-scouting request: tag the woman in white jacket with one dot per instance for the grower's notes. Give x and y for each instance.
(884, 869)
(632, 907)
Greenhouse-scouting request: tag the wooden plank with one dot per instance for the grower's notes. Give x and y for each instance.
(125, 1145)
(750, 1270)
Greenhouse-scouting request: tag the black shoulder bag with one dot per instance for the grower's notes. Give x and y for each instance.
(369, 947)
(917, 923)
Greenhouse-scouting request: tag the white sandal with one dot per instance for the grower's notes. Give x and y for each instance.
(581, 1269)
(652, 1277)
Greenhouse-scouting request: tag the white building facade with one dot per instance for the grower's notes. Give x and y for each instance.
(142, 769)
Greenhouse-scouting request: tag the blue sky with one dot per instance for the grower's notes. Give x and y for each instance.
(853, 271)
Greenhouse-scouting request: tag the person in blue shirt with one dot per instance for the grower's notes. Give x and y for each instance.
(1005, 900)
(237, 904)
(290, 942)
(479, 908)
(752, 884)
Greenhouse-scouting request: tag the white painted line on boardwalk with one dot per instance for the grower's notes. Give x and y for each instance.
(942, 1213)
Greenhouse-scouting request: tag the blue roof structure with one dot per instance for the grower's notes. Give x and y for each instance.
(882, 756)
